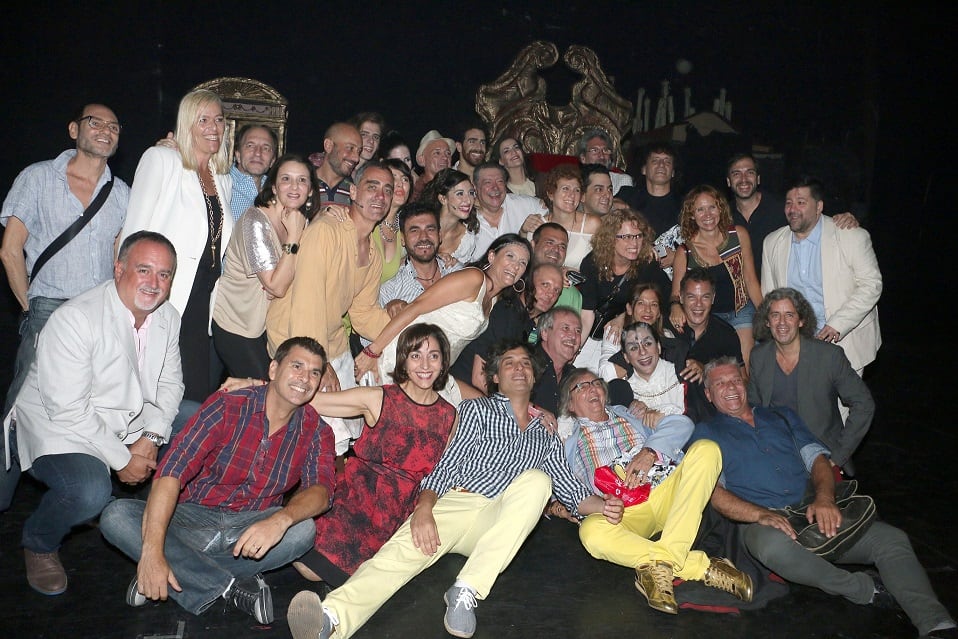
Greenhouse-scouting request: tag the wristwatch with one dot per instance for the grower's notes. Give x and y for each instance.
(290, 249)
(153, 437)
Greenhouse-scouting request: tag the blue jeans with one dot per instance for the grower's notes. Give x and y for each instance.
(741, 319)
(79, 488)
(882, 545)
(40, 310)
(199, 546)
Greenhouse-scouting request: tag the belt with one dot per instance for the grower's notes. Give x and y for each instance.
(460, 489)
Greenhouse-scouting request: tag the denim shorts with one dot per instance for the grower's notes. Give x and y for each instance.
(742, 319)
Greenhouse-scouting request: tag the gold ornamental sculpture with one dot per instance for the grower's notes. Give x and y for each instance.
(515, 103)
(249, 101)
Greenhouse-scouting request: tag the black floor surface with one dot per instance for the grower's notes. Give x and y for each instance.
(553, 588)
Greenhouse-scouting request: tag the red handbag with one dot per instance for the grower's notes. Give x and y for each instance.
(611, 481)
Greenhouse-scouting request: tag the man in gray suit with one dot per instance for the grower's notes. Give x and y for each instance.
(789, 367)
(101, 395)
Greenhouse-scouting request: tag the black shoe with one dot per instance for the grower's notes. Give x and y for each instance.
(945, 633)
(253, 597)
(882, 599)
(133, 596)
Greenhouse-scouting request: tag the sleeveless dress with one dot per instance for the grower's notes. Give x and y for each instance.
(731, 295)
(378, 488)
(461, 321)
(580, 245)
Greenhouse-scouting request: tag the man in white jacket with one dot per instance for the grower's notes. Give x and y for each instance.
(101, 395)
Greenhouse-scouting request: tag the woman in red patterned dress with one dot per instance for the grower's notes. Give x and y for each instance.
(409, 425)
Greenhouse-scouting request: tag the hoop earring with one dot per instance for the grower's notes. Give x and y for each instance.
(519, 290)
(486, 267)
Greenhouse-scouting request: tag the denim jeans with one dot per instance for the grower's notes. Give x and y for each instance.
(79, 488)
(199, 546)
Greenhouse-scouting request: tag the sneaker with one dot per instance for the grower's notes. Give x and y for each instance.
(252, 597)
(654, 580)
(45, 573)
(460, 618)
(306, 614)
(723, 574)
(133, 596)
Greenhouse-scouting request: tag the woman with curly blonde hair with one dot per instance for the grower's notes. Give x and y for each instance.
(714, 243)
(621, 257)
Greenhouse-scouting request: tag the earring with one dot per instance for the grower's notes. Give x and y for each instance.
(309, 203)
(520, 289)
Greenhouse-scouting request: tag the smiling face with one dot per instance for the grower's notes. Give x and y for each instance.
(371, 133)
(342, 150)
(372, 196)
(697, 299)
(659, 169)
(706, 212)
(587, 398)
(421, 234)
(460, 200)
(292, 186)
(802, 211)
(725, 388)
(597, 151)
(472, 149)
(92, 141)
(297, 377)
(255, 153)
(207, 131)
(566, 196)
(515, 375)
(143, 278)
(511, 155)
(562, 340)
(508, 265)
(646, 308)
(551, 247)
(597, 198)
(491, 189)
(784, 322)
(424, 364)
(743, 178)
(628, 242)
(547, 282)
(435, 157)
(642, 351)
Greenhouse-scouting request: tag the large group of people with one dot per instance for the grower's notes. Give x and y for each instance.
(340, 362)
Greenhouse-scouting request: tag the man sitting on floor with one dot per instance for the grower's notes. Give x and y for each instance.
(769, 458)
(214, 519)
(482, 500)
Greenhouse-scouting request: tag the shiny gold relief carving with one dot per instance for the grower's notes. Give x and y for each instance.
(249, 101)
(515, 103)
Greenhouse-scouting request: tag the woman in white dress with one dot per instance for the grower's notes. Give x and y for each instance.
(451, 193)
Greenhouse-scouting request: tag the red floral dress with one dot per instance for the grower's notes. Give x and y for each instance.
(378, 489)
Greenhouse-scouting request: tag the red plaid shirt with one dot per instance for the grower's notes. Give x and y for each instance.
(224, 457)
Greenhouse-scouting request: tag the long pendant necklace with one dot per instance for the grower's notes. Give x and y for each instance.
(218, 231)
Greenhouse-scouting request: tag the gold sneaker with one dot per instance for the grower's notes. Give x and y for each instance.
(723, 574)
(654, 580)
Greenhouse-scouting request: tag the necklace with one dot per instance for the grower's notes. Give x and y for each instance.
(651, 395)
(429, 279)
(218, 231)
(392, 226)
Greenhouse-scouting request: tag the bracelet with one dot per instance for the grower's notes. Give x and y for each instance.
(368, 352)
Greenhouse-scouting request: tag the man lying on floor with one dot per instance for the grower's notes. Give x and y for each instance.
(482, 500)
(230, 468)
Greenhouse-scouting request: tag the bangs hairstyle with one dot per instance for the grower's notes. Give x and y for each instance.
(687, 217)
(189, 110)
(571, 379)
(412, 339)
(266, 195)
(603, 242)
(634, 326)
(559, 172)
(806, 314)
(491, 368)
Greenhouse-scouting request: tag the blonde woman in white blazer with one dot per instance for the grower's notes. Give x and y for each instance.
(183, 193)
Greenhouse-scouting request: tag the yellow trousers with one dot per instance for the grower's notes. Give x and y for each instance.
(487, 531)
(674, 508)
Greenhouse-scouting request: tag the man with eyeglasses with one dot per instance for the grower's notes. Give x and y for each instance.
(595, 147)
(482, 500)
(46, 199)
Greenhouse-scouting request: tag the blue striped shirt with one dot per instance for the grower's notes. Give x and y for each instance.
(490, 450)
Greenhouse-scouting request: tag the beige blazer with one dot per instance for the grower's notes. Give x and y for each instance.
(851, 281)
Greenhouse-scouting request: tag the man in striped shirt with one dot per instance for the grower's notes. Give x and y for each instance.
(215, 517)
(482, 500)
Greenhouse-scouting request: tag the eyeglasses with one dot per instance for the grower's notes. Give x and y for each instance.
(597, 383)
(604, 150)
(97, 124)
(630, 236)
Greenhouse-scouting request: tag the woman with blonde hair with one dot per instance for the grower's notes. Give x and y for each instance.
(183, 193)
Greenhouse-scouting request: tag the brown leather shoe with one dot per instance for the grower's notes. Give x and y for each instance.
(723, 574)
(654, 580)
(45, 573)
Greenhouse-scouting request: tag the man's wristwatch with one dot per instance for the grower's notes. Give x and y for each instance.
(290, 249)
(153, 437)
